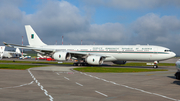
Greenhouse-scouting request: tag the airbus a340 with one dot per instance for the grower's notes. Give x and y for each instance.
(96, 54)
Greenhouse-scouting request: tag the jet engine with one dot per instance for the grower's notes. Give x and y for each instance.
(94, 60)
(62, 56)
(119, 62)
(177, 74)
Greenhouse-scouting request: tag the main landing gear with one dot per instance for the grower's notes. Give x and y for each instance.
(80, 64)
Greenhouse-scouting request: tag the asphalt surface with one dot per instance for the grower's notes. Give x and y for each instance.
(61, 83)
(57, 83)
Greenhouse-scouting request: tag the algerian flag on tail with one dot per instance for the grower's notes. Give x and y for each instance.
(33, 38)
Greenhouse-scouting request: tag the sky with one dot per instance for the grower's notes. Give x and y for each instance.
(100, 22)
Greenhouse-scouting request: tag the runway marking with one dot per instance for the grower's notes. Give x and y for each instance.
(90, 75)
(96, 77)
(101, 93)
(66, 78)
(57, 73)
(18, 86)
(42, 88)
(165, 97)
(105, 80)
(143, 91)
(79, 84)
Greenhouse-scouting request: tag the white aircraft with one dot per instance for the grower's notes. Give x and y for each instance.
(96, 54)
(1, 51)
(9, 54)
(177, 74)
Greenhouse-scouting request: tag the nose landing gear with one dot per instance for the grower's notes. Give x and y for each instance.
(155, 64)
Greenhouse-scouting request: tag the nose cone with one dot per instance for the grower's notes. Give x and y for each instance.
(173, 54)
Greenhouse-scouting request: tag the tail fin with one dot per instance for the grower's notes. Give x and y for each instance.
(2, 48)
(39, 55)
(33, 38)
(17, 50)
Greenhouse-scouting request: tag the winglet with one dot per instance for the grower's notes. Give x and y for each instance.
(7, 44)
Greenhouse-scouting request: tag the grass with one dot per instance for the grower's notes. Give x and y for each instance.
(35, 62)
(26, 64)
(70, 63)
(20, 67)
(84, 69)
(144, 64)
(115, 70)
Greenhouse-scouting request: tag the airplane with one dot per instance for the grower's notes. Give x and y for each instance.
(1, 51)
(47, 58)
(96, 54)
(177, 74)
(9, 54)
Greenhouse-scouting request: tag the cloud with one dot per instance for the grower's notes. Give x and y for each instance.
(10, 18)
(156, 30)
(65, 19)
(133, 4)
(56, 18)
(109, 33)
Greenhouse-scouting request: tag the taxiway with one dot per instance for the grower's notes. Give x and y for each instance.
(61, 83)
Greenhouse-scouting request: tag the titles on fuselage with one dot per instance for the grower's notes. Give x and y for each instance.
(114, 48)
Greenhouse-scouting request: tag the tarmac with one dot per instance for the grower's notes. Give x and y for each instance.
(61, 83)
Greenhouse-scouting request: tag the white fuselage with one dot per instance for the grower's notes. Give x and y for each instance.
(10, 54)
(108, 52)
(119, 52)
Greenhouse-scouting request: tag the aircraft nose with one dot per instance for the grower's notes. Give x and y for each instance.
(173, 54)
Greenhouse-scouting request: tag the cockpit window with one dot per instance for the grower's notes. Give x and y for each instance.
(167, 50)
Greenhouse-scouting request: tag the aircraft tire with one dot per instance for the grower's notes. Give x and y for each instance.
(155, 66)
(81, 64)
(177, 75)
(75, 64)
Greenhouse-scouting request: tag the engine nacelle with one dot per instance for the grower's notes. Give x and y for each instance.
(62, 56)
(178, 65)
(119, 62)
(94, 60)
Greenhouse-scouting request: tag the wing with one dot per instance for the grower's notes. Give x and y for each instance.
(37, 49)
(47, 51)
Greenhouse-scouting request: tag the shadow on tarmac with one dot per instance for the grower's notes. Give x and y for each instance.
(177, 82)
(173, 77)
